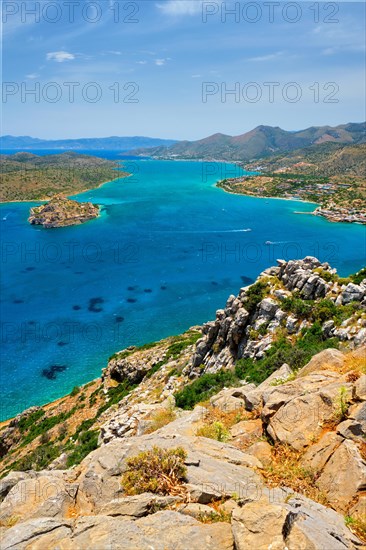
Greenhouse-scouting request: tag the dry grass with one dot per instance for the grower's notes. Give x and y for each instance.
(353, 365)
(285, 471)
(161, 418)
(217, 514)
(160, 471)
(228, 418)
(217, 423)
(9, 522)
(358, 526)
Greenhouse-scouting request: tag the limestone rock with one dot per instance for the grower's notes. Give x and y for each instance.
(328, 359)
(262, 451)
(259, 525)
(343, 476)
(352, 293)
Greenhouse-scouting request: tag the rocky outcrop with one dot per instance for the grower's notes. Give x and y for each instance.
(298, 434)
(61, 212)
(243, 330)
(86, 506)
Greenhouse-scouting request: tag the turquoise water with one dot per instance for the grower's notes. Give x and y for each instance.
(167, 251)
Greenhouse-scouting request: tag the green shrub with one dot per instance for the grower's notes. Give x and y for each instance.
(38, 459)
(358, 277)
(299, 307)
(324, 310)
(255, 294)
(26, 422)
(75, 391)
(158, 470)
(296, 355)
(87, 442)
(202, 388)
(40, 428)
(215, 430)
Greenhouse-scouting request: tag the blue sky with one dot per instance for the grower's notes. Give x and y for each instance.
(162, 56)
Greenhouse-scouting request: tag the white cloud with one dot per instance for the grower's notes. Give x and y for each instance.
(60, 56)
(32, 76)
(196, 76)
(141, 62)
(160, 62)
(268, 57)
(181, 7)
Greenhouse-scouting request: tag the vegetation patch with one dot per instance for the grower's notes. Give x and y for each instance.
(255, 294)
(160, 471)
(161, 418)
(203, 388)
(27, 421)
(41, 427)
(357, 525)
(87, 442)
(215, 430)
(285, 471)
(296, 355)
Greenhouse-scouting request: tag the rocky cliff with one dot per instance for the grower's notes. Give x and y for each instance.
(247, 433)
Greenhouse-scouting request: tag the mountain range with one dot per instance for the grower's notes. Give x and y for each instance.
(262, 141)
(109, 143)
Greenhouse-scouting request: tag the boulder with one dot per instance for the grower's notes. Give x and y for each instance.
(293, 523)
(262, 451)
(343, 476)
(36, 534)
(360, 388)
(41, 496)
(329, 359)
(299, 420)
(317, 456)
(259, 525)
(351, 429)
(352, 293)
(137, 506)
(247, 429)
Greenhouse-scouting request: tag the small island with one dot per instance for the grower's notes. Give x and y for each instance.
(61, 212)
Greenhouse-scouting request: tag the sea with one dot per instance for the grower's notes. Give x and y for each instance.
(167, 251)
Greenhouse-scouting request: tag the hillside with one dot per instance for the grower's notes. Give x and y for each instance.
(260, 142)
(247, 432)
(330, 174)
(27, 177)
(114, 143)
(327, 159)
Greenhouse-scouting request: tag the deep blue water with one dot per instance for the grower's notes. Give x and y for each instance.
(167, 251)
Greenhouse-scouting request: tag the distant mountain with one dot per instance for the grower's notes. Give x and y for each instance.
(261, 142)
(110, 143)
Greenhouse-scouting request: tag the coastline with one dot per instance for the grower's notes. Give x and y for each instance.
(268, 198)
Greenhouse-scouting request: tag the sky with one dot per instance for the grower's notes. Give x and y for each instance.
(179, 69)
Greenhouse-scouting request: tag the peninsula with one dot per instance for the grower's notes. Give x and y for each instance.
(61, 212)
(331, 175)
(29, 177)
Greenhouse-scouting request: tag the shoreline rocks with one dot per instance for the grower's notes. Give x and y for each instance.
(62, 212)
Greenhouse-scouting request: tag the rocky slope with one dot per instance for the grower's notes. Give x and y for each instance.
(273, 433)
(61, 212)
